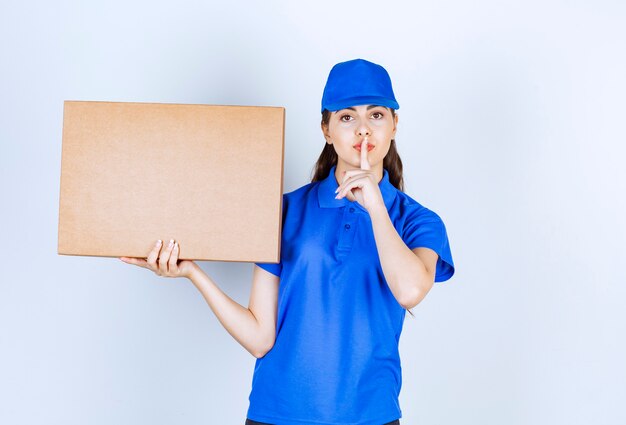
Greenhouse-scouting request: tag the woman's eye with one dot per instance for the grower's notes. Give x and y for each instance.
(345, 118)
(377, 115)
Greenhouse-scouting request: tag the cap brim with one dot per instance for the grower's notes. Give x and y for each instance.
(363, 100)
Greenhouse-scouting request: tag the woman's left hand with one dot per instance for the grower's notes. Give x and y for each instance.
(361, 185)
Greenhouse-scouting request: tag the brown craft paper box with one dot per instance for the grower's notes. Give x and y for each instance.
(208, 176)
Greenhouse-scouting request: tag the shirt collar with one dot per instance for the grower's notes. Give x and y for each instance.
(326, 191)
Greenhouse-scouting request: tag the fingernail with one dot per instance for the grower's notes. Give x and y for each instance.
(158, 242)
(171, 242)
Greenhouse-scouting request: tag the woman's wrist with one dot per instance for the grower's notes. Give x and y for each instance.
(194, 273)
(379, 210)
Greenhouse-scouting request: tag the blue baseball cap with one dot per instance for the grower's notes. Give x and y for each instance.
(358, 82)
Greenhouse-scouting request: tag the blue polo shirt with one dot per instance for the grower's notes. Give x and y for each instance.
(335, 359)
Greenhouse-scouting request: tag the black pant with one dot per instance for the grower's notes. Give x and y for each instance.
(251, 422)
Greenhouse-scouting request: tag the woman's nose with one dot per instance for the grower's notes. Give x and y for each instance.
(363, 131)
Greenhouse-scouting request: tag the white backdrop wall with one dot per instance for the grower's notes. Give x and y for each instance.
(511, 128)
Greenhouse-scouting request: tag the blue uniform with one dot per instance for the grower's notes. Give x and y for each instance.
(335, 359)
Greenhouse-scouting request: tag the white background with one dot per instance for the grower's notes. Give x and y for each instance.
(511, 128)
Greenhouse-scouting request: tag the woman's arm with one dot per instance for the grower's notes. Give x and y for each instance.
(253, 327)
(409, 274)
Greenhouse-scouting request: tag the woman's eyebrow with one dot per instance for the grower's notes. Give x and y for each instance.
(368, 107)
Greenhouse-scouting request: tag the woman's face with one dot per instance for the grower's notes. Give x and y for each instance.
(348, 127)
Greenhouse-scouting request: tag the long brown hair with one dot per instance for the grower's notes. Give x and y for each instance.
(328, 158)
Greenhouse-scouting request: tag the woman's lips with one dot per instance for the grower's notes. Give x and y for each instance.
(358, 147)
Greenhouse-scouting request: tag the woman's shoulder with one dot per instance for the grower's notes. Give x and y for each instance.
(300, 193)
(413, 209)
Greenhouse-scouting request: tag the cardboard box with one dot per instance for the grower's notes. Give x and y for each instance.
(208, 176)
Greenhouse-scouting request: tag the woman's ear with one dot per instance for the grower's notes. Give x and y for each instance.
(395, 125)
(326, 134)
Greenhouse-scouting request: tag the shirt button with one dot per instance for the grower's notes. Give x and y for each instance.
(351, 209)
(347, 226)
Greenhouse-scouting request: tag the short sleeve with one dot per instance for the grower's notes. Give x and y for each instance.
(426, 229)
(273, 268)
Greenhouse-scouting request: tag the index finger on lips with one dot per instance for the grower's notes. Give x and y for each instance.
(365, 165)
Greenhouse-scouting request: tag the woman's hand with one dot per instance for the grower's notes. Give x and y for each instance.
(361, 185)
(164, 263)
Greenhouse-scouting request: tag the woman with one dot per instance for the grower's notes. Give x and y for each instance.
(356, 254)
